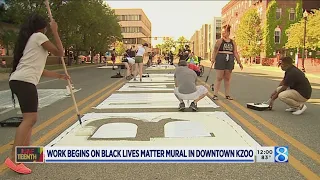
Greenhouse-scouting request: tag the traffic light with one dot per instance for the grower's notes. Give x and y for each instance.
(155, 38)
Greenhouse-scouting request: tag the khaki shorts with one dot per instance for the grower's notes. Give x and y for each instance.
(138, 59)
(201, 90)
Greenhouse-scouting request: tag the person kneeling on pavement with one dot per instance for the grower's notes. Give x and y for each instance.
(294, 90)
(185, 86)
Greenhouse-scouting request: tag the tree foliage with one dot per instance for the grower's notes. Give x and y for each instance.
(167, 45)
(82, 24)
(120, 48)
(181, 42)
(248, 34)
(296, 32)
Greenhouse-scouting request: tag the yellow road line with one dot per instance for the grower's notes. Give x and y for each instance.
(68, 122)
(304, 170)
(300, 146)
(46, 123)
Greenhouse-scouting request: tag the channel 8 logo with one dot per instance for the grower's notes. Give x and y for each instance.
(281, 154)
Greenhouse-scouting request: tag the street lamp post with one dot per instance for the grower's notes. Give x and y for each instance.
(305, 16)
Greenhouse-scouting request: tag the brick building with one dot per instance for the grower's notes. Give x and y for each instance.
(234, 10)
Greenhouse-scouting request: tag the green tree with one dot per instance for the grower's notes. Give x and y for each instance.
(168, 45)
(181, 42)
(269, 27)
(8, 39)
(248, 34)
(82, 24)
(120, 48)
(299, 10)
(296, 33)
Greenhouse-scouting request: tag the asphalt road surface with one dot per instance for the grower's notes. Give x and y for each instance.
(269, 128)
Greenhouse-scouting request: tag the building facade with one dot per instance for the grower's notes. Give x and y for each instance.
(285, 12)
(214, 31)
(203, 41)
(135, 26)
(194, 45)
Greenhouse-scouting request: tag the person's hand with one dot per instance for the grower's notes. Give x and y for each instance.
(271, 103)
(64, 77)
(240, 65)
(54, 26)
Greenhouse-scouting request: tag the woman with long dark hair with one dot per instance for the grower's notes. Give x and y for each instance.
(224, 54)
(29, 59)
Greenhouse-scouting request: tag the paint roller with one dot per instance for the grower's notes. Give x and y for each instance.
(87, 130)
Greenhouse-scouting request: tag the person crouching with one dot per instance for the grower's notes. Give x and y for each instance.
(295, 88)
(185, 86)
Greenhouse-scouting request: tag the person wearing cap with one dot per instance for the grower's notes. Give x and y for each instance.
(185, 86)
(139, 60)
(295, 88)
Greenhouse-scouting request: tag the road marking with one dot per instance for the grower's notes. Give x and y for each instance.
(70, 120)
(46, 123)
(300, 146)
(304, 170)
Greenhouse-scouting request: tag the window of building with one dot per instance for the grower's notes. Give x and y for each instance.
(277, 35)
(129, 17)
(292, 14)
(278, 13)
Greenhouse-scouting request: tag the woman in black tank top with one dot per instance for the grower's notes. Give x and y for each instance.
(223, 56)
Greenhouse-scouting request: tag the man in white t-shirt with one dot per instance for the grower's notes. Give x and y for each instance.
(139, 60)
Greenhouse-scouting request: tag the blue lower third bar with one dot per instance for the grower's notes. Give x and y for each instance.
(147, 161)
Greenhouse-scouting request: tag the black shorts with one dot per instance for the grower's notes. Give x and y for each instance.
(222, 63)
(27, 95)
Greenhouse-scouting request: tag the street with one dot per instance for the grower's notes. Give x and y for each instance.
(268, 128)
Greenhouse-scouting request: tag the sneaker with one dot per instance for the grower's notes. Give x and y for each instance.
(182, 106)
(300, 111)
(193, 106)
(291, 109)
(19, 168)
(134, 79)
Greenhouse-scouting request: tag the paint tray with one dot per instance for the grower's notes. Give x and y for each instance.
(259, 106)
(12, 122)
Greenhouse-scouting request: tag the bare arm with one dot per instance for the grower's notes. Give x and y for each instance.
(49, 46)
(51, 74)
(235, 52)
(215, 50)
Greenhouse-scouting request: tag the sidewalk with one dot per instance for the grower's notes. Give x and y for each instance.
(207, 63)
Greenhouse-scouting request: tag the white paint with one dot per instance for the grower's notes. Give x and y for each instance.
(161, 67)
(160, 75)
(46, 97)
(146, 87)
(185, 129)
(116, 130)
(86, 131)
(107, 67)
(155, 79)
(147, 100)
(226, 131)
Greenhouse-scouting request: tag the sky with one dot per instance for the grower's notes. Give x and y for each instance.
(175, 18)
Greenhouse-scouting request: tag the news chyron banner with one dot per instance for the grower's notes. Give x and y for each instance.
(271, 154)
